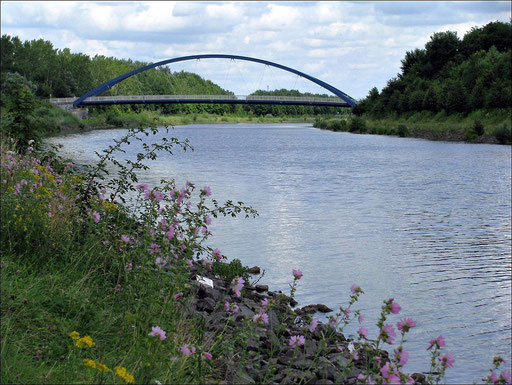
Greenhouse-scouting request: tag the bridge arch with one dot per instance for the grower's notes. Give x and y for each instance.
(105, 86)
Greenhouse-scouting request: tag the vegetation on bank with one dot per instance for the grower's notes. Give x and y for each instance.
(452, 89)
(476, 127)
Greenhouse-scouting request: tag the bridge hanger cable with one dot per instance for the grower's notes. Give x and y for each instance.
(243, 79)
(261, 78)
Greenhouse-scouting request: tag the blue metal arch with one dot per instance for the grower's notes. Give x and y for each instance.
(105, 86)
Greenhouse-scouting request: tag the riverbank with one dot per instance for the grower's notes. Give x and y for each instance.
(478, 127)
(90, 293)
(64, 122)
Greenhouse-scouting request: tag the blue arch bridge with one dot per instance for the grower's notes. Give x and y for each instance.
(91, 98)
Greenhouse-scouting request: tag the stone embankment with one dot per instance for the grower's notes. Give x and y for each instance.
(263, 353)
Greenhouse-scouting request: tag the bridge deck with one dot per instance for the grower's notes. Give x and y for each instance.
(230, 99)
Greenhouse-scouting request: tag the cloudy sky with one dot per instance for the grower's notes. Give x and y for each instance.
(352, 45)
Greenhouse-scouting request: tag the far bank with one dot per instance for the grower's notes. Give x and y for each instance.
(480, 126)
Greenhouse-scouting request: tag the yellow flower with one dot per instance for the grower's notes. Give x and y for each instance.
(96, 365)
(127, 377)
(74, 335)
(101, 367)
(109, 206)
(89, 363)
(85, 342)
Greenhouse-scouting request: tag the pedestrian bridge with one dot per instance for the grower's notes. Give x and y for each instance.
(231, 99)
(339, 98)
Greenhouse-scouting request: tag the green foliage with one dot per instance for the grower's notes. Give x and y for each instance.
(504, 134)
(478, 127)
(20, 103)
(402, 130)
(357, 124)
(228, 271)
(449, 74)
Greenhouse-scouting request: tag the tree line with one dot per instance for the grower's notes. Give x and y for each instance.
(450, 74)
(57, 73)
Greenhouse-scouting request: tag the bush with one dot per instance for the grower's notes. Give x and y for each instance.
(357, 124)
(402, 130)
(504, 134)
(228, 271)
(478, 127)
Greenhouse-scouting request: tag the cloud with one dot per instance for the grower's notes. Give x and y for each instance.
(352, 45)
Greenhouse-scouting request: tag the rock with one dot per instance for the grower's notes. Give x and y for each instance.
(254, 270)
(207, 292)
(206, 304)
(419, 378)
(261, 287)
(285, 358)
(302, 364)
(242, 377)
(310, 309)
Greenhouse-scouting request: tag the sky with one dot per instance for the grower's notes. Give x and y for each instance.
(353, 46)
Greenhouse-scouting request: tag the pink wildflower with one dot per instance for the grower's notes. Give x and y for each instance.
(207, 355)
(208, 263)
(395, 307)
(363, 332)
(493, 378)
(216, 254)
(238, 284)
(401, 356)
(96, 217)
(296, 341)
(142, 187)
(297, 274)
(170, 233)
(355, 289)
(387, 333)
(505, 376)
(231, 307)
(313, 325)
(158, 332)
(187, 351)
(385, 370)
(206, 191)
(178, 296)
(153, 248)
(405, 324)
(439, 342)
(207, 220)
(261, 317)
(447, 360)
(264, 302)
(160, 262)
(125, 238)
(361, 318)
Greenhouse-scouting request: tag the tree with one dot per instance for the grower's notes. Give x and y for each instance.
(441, 49)
(20, 107)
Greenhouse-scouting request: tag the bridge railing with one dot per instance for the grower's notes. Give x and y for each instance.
(330, 99)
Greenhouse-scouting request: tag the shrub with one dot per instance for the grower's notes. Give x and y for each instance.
(228, 271)
(478, 127)
(357, 124)
(504, 134)
(402, 130)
